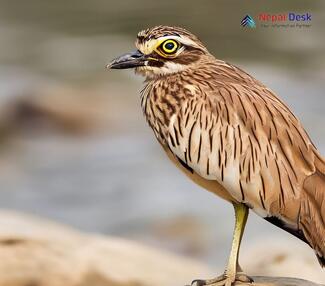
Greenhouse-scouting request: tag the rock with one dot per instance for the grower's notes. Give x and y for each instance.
(282, 256)
(37, 252)
(69, 108)
(279, 281)
(59, 108)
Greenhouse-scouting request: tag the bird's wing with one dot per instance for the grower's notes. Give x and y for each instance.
(312, 213)
(278, 164)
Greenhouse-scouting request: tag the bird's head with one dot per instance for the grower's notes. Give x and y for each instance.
(162, 50)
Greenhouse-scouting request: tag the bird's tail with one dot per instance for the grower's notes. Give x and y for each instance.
(312, 212)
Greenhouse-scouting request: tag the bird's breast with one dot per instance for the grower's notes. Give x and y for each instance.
(206, 147)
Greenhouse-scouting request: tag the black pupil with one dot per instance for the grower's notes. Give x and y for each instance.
(169, 46)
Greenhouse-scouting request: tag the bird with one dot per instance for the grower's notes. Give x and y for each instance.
(231, 135)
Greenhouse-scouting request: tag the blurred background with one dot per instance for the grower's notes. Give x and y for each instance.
(74, 146)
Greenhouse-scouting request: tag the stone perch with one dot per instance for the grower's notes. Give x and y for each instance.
(37, 252)
(280, 281)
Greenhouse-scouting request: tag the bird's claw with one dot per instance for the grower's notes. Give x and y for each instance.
(224, 280)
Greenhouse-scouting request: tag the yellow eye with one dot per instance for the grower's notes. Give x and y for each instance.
(169, 46)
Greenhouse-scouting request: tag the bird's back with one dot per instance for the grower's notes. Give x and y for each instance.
(223, 125)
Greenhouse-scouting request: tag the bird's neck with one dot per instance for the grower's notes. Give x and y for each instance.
(160, 99)
(163, 96)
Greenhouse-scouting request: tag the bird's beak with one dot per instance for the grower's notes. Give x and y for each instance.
(127, 61)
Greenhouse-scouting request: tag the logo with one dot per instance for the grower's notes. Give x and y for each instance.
(278, 20)
(283, 17)
(248, 21)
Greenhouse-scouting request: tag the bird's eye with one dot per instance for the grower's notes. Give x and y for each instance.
(169, 46)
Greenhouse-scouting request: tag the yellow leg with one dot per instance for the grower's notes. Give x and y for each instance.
(233, 271)
(241, 214)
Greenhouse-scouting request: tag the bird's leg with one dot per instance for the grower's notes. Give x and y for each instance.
(233, 271)
(233, 268)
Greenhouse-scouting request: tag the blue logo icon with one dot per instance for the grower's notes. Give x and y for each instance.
(248, 21)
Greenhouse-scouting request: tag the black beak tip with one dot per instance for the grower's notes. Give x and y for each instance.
(129, 60)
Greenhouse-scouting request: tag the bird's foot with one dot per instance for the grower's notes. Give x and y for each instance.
(224, 280)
